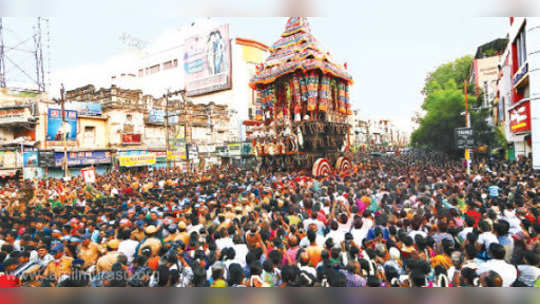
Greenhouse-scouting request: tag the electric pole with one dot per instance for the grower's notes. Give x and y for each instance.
(166, 115)
(64, 126)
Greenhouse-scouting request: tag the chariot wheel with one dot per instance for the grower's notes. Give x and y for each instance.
(321, 167)
(343, 164)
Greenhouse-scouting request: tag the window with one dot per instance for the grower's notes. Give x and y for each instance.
(521, 48)
(154, 69)
(167, 65)
(89, 135)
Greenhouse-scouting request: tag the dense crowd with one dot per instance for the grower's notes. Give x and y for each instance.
(410, 220)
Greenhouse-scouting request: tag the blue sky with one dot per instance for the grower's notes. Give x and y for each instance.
(389, 55)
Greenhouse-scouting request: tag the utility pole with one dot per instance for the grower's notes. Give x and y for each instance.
(64, 126)
(166, 115)
(467, 125)
(183, 93)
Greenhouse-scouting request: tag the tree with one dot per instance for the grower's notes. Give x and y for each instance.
(444, 104)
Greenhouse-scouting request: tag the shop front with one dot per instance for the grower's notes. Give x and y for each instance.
(520, 126)
(77, 160)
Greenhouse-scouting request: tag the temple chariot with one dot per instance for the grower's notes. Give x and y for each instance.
(302, 106)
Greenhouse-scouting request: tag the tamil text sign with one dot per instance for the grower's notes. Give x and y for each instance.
(464, 138)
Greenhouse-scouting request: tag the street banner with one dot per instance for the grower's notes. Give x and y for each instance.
(54, 125)
(30, 157)
(520, 118)
(85, 108)
(207, 61)
(8, 159)
(83, 158)
(158, 116)
(177, 155)
(464, 138)
(89, 175)
(137, 159)
(235, 149)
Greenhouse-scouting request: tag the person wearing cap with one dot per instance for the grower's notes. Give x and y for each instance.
(59, 267)
(105, 262)
(89, 251)
(151, 241)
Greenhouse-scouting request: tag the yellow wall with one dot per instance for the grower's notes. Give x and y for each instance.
(101, 138)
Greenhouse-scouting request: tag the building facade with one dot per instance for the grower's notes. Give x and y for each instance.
(519, 88)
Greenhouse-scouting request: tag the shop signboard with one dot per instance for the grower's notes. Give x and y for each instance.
(131, 138)
(520, 118)
(136, 158)
(8, 159)
(14, 115)
(54, 125)
(235, 149)
(247, 149)
(46, 159)
(30, 157)
(207, 61)
(84, 158)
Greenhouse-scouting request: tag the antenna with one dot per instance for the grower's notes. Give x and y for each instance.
(2, 64)
(22, 55)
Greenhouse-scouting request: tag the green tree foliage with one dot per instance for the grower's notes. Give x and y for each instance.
(443, 104)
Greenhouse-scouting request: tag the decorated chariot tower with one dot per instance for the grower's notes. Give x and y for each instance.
(302, 104)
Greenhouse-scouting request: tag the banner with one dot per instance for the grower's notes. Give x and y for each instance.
(46, 159)
(15, 115)
(89, 175)
(235, 149)
(177, 155)
(83, 158)
(85, 108)
(30, 157)
(8, 159)
(158, 116)
(136, 158)
(54, 125)
(207, 61)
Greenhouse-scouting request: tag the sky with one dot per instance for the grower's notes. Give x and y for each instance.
(389, 53)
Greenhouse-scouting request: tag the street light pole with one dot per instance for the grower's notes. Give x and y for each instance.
(62, 101)
(166, 115)
(467, 125)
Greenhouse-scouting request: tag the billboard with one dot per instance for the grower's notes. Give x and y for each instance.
(207, 61)
(9, 159)
(46, 158)
(520, 118)
(158, 116)
(85, 108)
(54, 125)
(83, 158)
(15, 115)
(30, 157)
(136, 158)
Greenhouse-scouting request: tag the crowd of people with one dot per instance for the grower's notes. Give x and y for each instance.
(409, 220)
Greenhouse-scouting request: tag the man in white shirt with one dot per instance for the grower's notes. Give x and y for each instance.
(497, 264)
(127, 246)
(487, 237)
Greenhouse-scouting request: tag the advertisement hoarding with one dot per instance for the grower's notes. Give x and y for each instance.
(158, 116)
(30, 157)
(15, 115)
(207, 61)
(54, 125)
(8, 159)
(136, 158)
(83, 158)
(235, 149)
(464, 138)
(85, 108)
(46, 159)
